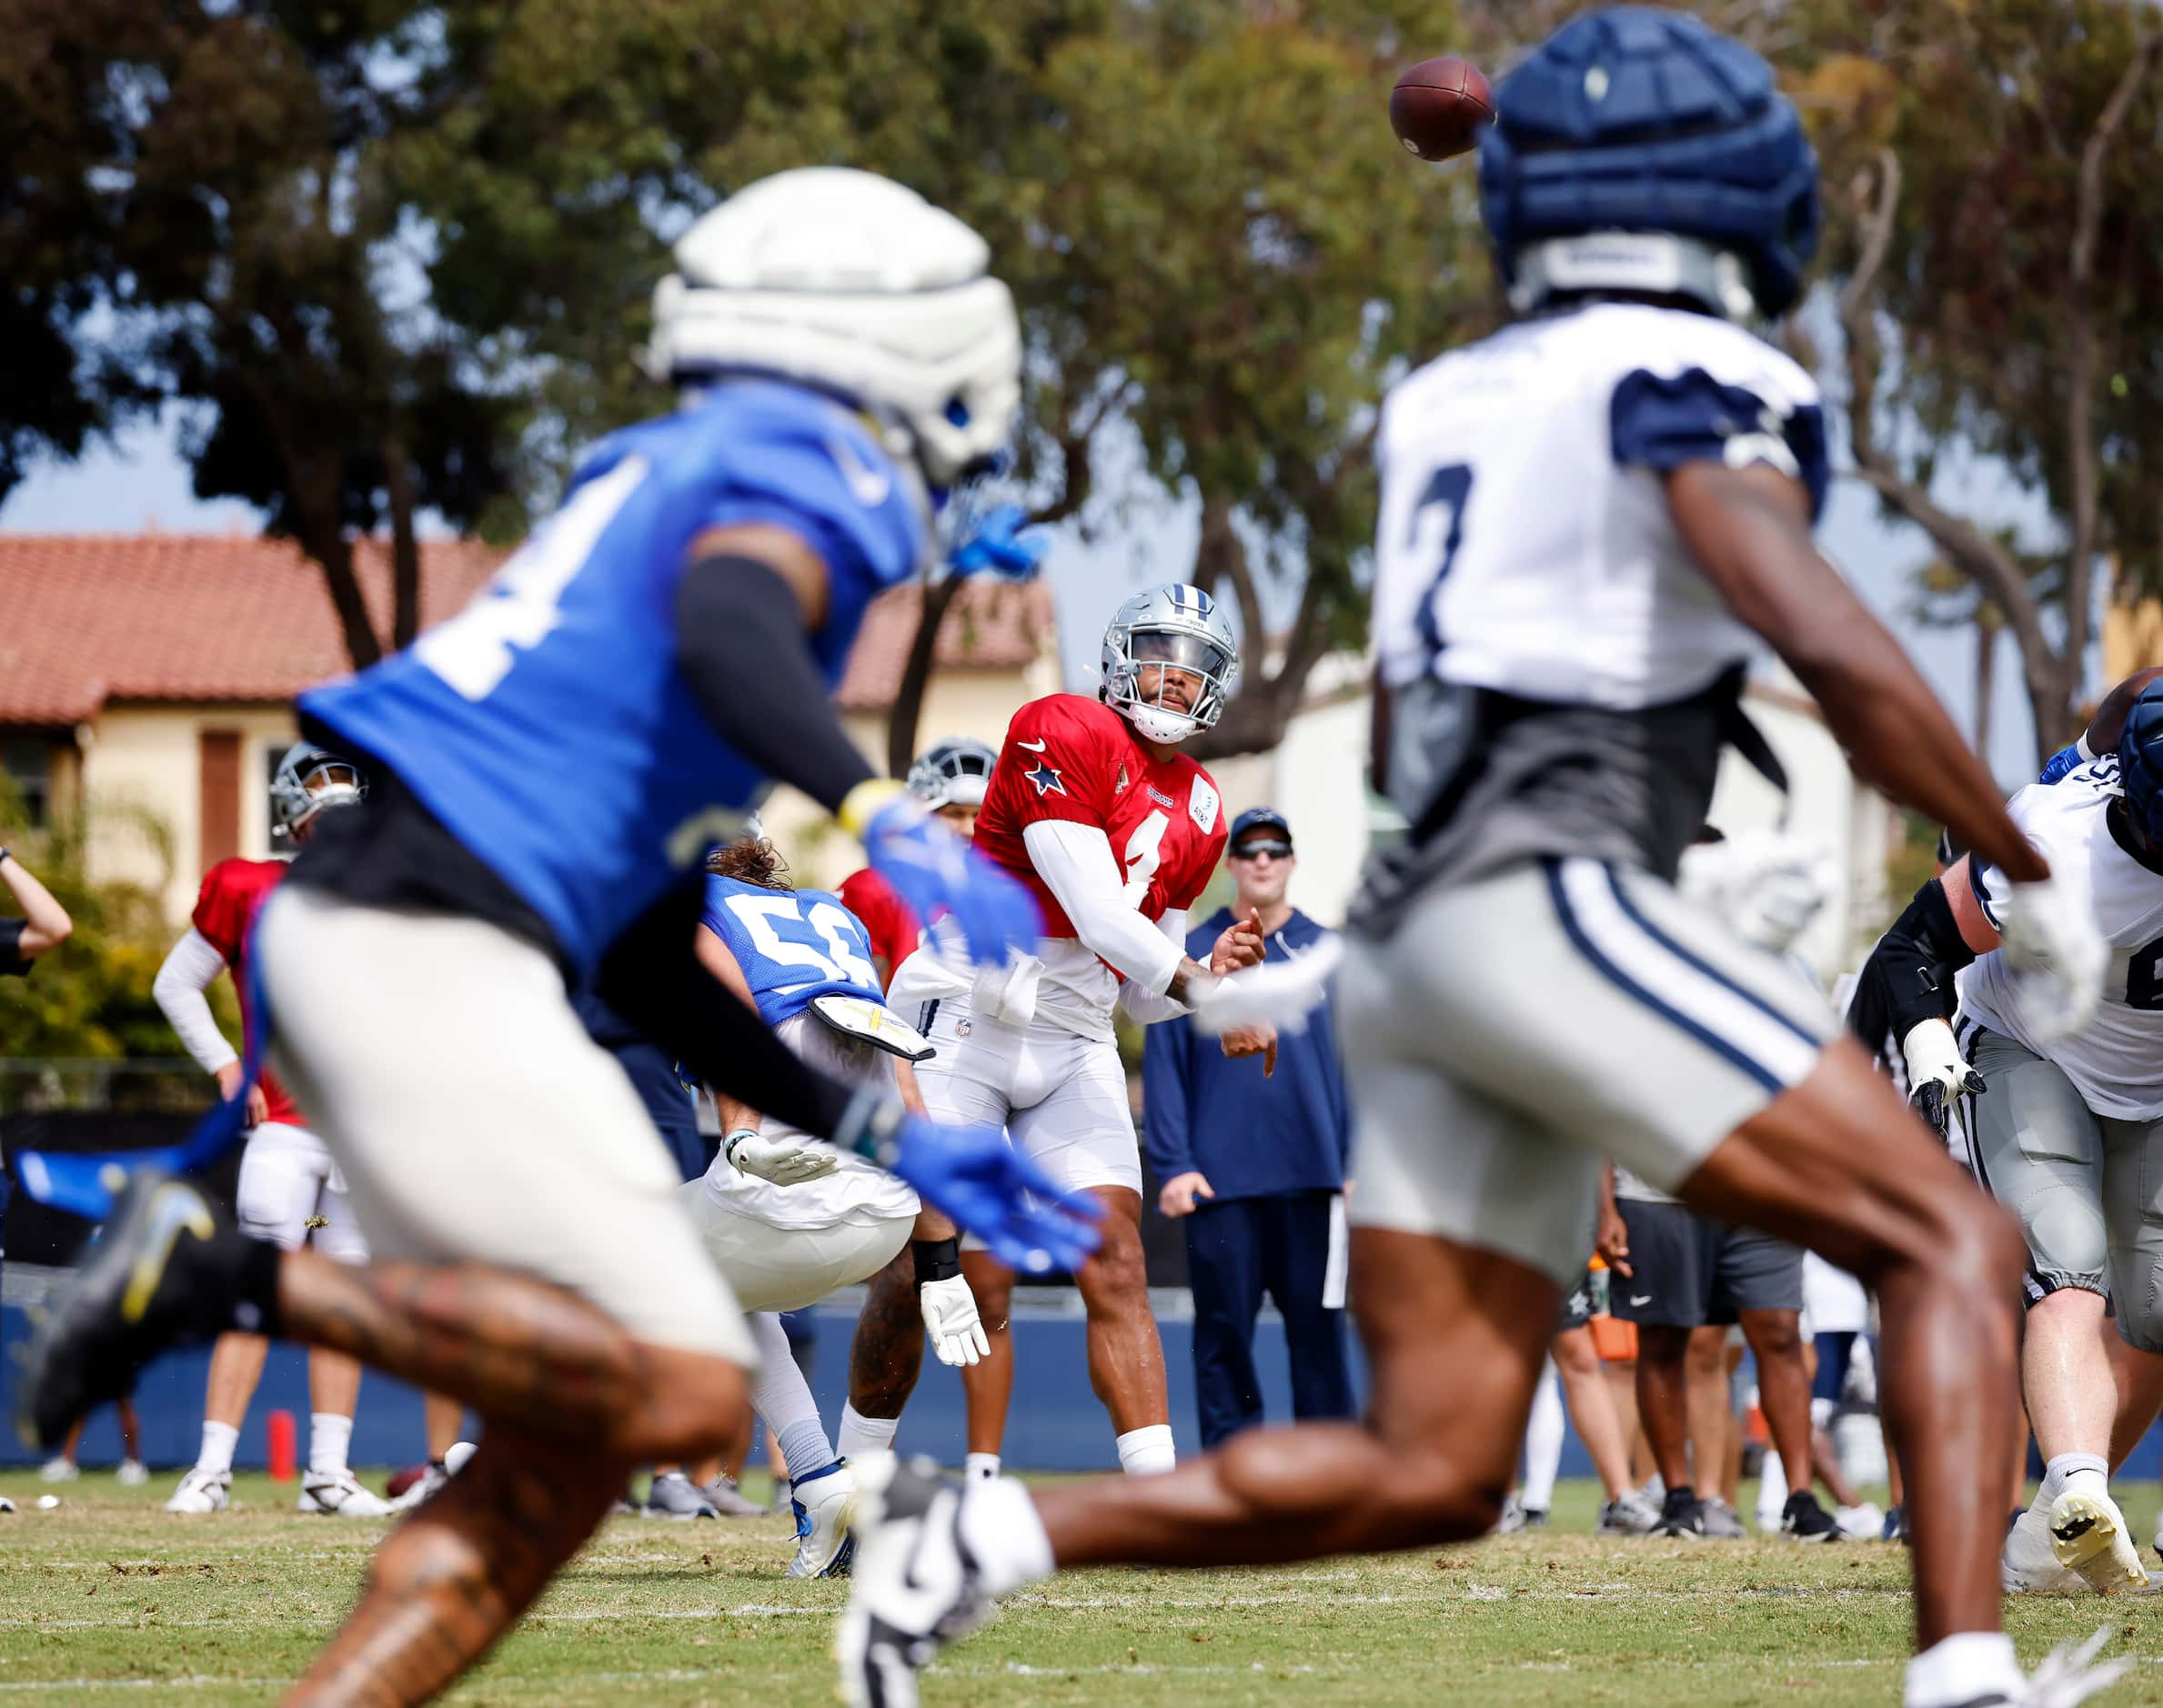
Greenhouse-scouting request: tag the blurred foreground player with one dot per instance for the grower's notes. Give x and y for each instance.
(1587, 521)
(549, 770)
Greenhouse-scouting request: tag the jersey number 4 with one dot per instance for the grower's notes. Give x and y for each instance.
(782, 930)
(1437, 530)
(1145, 853)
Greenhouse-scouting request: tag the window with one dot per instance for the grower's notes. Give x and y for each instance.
(29, 766)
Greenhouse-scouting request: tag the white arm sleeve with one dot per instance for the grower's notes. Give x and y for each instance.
(1076, 863)
(1146, 1006)
(178, 988)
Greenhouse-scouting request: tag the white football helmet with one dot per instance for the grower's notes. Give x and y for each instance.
(953, 773)
(1181, 628)
(856, 285)
(308, 779)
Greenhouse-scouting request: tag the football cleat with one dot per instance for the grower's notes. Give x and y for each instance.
(2088, 1535)
(202, 1490)
(167, 1272)
(59, 1469)
(1804, 1519)
(339, 1496)
(2029, 1565)
(1682, 1515)
(1863, 1523)
(675, 1495)
(1718, 1522)
(7, 1505)
(432, 1477)
(728, 1501)
(1513, 1515)
(1630, 1514)
(825, 1507)
(917, 1586)
(133, 1473)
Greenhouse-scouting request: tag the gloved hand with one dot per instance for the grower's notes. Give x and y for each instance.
(784, 1161)
(1765, 884)
(2056, 956)
(935, 871)
(951, 1320)
(972, 1174)
(1937, 1074)
(1279, 993)
(1001, 544)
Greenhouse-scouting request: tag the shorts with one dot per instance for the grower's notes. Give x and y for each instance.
(287, 1181)
(1577, 1307)
(1514, 1030)
(473, 1118)
(1689, 1270)
(1835, 1353)
(786, 1269)
(2087, 1187)
(1062, 1098)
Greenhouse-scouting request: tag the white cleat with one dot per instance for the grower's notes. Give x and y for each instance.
(825, 1507)
(916, 1589)
(202, 1490)
(2089, 1536)
(340, 1496)
(59, 1469)
(1865, 1523)
(133, 1473)
(2029, 1565)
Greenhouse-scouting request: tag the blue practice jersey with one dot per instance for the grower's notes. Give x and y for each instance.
(792, 945)
(549, 726)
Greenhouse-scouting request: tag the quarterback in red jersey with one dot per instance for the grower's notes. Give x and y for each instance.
(288, 1185)
(1116, 833)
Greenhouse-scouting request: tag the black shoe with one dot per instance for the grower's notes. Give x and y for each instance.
(1803, 1519)
(1680, 1515)
(169, 1270)
(1535, 1518)
(917, 1585)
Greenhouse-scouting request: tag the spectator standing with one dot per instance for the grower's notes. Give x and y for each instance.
(1255, 1166)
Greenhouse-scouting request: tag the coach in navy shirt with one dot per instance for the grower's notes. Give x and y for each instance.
(1256, 1168)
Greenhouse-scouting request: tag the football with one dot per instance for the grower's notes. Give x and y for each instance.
(1438, 106)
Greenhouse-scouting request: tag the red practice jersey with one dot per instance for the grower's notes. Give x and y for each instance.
(888, 921)
(233, 892)
(1075, 758)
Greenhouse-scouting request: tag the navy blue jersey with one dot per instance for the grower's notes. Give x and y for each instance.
(792, 945)
(549, 726)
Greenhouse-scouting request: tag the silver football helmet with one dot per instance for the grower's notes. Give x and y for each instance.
(1181, 629)
(308, 779)
(953, 773)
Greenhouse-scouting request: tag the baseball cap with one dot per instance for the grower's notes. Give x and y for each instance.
(1259, 818)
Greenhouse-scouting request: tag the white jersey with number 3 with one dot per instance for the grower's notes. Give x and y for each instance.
(1524, 543)
(2115, 1061)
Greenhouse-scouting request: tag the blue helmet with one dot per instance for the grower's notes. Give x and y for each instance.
(2141, 760)
(1668, 143)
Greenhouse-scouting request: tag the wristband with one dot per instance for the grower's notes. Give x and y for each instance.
(7, 854)
(936, 1260)
(863, 803)
(734, 1137)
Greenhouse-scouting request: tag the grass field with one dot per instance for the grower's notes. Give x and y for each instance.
(108, 1598)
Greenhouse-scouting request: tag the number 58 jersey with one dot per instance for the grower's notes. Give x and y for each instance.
(2115, 1061)
(1524, 544)
(793, 945)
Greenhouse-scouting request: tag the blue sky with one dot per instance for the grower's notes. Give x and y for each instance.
(140, 483)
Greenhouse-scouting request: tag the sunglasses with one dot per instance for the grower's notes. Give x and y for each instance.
(1255, 851)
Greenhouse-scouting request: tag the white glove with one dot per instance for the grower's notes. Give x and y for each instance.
(785, 1162)
(2056, 955)
(1765, 884)
(950, 1319)
(1280, 994)
(1937, 1075)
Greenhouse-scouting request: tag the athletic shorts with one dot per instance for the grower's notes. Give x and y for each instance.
(1689, 1270)
(1577, 1307)
(474, 1119)
(1513, 1032)
(1062, 1098)
(2087, 1187)
(287, 1182)
(786, 1269)
(1835, 1353)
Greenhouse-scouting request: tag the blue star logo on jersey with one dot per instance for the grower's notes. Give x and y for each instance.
(1046, 779)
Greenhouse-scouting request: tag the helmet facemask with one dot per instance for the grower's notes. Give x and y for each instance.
(1157, 669)
(307, 783)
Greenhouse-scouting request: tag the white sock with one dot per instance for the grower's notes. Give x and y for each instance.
(219, 1440)
(1000, 1523)
(1543, 1441)
(1964, 1667)
(329, 1437)
(1146, 1451)
(863, 1436)
(2058, 1475)
(782, 1398)
(980, 1467)
(1771, 1491)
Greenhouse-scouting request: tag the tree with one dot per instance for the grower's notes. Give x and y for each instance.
(1996, 253)
(223, 171)
(1218, 253)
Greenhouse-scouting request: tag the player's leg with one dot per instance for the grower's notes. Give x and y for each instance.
(1071, 1117)
(334, 1379)
(819, 1485)
(1666, 1296)
(1225, 1276)
(2133, 1209)
(1775, 1342)
(987, 1385)
(1711, 1407)
(1591, 1410)
(1304, 1251)
(1664, 1412)
(443, 1420)
(885, 1355)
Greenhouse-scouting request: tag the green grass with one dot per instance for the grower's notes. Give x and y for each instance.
(108, 1598)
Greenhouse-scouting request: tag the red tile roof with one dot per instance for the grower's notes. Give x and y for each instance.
(89, 618)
